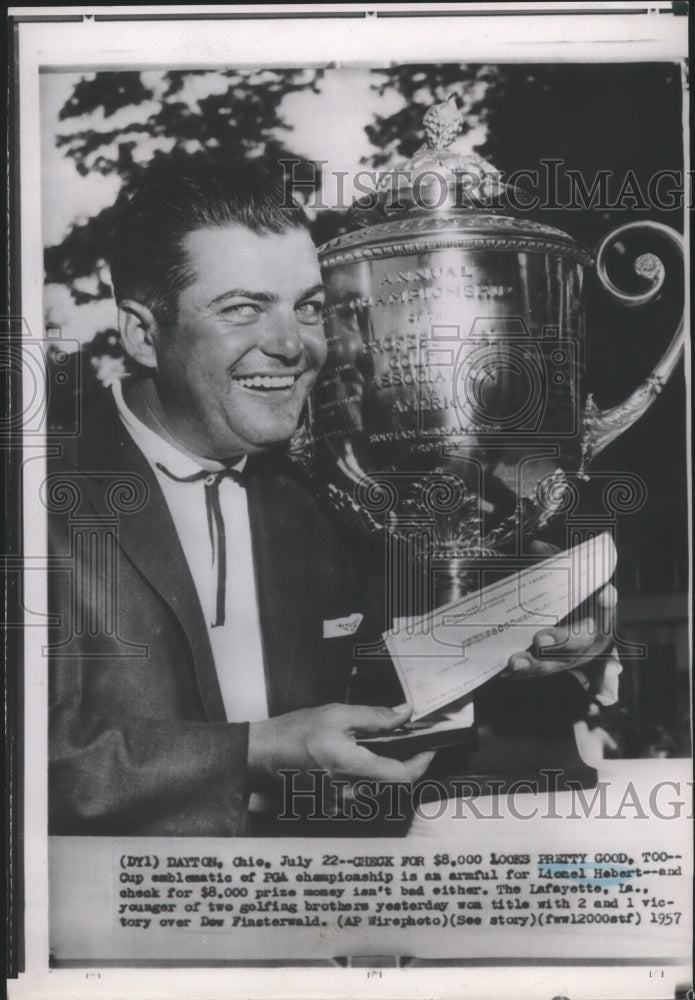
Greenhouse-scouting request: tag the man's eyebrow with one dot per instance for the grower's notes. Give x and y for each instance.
(266, 297)
(243, 293)
(314, 290)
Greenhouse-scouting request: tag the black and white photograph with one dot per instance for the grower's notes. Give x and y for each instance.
(348, 565)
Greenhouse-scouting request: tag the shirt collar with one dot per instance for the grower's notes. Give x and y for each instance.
(156, 449)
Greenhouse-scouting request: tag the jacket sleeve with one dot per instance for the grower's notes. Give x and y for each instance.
(137, 776)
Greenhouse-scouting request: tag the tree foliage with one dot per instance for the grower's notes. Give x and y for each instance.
(621, 117)
(400, 134)
(618, 117)
(127, 120)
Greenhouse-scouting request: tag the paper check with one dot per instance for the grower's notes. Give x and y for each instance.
(446, 654)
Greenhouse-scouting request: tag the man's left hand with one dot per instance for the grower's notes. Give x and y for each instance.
(585, 647)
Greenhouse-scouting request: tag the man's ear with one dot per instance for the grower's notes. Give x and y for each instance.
(138, 328)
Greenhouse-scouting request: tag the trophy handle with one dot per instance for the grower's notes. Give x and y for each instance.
(600, 427)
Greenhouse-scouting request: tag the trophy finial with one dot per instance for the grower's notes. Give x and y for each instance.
(442, 176)
(443, 122)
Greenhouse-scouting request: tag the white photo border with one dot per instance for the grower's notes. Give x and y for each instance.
(249, 35)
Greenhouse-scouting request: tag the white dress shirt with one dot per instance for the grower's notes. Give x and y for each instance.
(237, 644)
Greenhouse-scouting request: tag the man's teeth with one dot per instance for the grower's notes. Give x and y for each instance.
(267, 382)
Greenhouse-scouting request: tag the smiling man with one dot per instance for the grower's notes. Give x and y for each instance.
(232, 369)
(205, 627)
(227, 658)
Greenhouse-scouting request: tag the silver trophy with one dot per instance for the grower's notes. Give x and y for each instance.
(452, 415)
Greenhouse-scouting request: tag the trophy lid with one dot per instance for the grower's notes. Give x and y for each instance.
(439, 177)
(444, 188)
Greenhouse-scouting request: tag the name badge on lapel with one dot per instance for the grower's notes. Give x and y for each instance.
(337, 627)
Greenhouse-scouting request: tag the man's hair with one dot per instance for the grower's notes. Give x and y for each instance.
(148, 260)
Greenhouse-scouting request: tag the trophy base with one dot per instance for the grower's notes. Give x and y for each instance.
(506, 764)
(473, 760)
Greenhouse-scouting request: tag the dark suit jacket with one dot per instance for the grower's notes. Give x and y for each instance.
(139, 742)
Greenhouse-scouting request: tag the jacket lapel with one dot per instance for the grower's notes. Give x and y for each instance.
(148, 538)
(280, 542)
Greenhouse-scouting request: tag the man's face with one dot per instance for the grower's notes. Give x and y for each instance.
(235, 368)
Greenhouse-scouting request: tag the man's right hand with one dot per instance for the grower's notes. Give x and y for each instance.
(324, 739)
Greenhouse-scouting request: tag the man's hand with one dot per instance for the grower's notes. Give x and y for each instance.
(584, 646)
(324, 739)
(572, 645)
